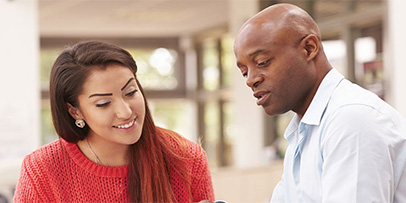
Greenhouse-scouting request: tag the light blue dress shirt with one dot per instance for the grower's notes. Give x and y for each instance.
(350, 146)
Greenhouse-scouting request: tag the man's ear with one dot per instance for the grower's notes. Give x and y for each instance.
(74, 112)
(312, 46)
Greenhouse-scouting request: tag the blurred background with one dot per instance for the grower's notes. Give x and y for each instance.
(183, 49)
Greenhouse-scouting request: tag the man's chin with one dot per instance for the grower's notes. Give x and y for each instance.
(272, 111)
(269, 110)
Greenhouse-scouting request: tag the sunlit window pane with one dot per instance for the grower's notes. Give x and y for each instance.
(227, 60)
(156, 68)
(211, 72)
(335, 52)
(228, 133)
(47, 128)
(211, 139)
(369, 65)
(47, 59)
(178, 115)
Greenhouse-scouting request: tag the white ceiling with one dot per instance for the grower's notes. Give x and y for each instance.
(129, 18)
(167, 18)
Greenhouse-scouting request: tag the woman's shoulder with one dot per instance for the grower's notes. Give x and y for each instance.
(46, 154)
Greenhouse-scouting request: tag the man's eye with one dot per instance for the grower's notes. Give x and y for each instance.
(263, 63)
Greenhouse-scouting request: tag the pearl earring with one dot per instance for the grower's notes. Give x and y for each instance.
(80, 123)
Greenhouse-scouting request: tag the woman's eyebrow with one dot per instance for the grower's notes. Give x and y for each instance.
(106, 94)
(110, 94)
(128, 82)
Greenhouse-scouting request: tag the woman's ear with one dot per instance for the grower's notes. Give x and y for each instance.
(312, 46)
(74, 112)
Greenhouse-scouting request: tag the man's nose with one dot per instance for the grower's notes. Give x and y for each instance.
(253, 80)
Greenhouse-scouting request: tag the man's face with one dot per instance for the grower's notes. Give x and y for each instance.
(275, 67)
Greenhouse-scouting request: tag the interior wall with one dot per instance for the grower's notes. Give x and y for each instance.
(394, 55)
(19, 79)
(248, 120)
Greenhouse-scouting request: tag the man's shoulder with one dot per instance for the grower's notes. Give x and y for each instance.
(348, 93)
(352, 108)
(352, 105)
(357, 101)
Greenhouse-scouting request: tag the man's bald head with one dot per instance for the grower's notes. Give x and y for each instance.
(287, 20)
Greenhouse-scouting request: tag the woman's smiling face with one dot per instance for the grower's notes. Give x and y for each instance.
(112, 105)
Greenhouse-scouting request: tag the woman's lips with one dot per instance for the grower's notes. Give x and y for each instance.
(126, 127)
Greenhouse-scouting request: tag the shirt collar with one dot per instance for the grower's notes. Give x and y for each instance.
(292, 128)
(319, 103)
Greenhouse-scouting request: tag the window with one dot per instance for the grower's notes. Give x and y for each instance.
(214, 109)
(47, 58)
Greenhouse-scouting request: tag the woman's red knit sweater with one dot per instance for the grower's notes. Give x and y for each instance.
(60, 172)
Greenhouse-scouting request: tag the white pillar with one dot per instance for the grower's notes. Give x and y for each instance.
(19, 79)
(395, 52)
(190, 62)
(249, 127)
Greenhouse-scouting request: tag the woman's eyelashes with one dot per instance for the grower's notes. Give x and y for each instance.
(103, 104)
(131, 93)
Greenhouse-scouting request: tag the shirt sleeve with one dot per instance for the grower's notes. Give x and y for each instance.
(357, 149)
(202, 187)
(25, 189)
(277, 195)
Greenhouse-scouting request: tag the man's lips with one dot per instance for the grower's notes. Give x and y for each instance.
(262, 96)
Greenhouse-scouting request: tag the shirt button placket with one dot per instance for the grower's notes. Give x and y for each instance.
(297, 161)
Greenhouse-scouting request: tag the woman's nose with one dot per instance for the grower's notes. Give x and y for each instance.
(123, 109)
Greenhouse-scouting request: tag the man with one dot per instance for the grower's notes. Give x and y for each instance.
(345, 144)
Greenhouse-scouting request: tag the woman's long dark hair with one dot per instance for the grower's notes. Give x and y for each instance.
(148, 175)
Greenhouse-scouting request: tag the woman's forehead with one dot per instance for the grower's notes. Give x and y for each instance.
(112, 75)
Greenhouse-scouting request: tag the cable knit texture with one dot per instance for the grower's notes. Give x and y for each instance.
(60, 172)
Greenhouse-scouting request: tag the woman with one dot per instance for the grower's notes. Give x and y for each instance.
(110, 150)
